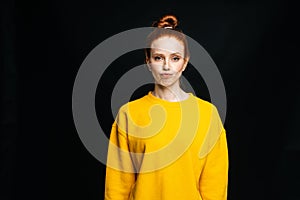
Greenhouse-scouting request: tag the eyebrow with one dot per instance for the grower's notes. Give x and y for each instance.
(176, 53)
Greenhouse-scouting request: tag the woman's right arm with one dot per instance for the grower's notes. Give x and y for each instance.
(120, 176)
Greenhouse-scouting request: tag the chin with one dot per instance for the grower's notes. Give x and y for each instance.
(166, 84)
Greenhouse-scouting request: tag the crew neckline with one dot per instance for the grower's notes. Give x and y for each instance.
(158, 100)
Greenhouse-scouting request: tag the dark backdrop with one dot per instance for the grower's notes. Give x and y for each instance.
(43, 44)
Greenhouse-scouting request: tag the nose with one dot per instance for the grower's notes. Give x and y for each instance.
(166, 65)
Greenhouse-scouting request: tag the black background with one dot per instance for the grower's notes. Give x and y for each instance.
(43, 44)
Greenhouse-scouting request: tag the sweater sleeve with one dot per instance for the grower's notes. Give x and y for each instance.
(120, 176)
(214, 177)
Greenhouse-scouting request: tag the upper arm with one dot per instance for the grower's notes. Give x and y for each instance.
(214, 177)
(120, 174)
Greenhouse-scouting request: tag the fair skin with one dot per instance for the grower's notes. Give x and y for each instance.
(167, 62)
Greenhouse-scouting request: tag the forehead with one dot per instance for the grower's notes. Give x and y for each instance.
(168, 45)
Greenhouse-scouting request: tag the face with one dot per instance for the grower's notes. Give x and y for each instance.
(167, 61)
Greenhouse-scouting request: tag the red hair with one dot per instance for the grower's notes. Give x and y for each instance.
(167, 25)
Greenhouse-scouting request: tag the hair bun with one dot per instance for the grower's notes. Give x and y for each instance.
(167, 21)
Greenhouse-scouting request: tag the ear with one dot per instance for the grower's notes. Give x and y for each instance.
(148, 64)
(186, 61)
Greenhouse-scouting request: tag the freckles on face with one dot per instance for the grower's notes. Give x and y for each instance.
(167, 60)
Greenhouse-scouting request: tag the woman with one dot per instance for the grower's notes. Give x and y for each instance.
(168, 144)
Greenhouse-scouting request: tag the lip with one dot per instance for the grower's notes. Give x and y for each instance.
(166, 75)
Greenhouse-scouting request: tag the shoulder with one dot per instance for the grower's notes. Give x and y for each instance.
(208, 110)
(133, 112)
(134, 106)
(205, 105)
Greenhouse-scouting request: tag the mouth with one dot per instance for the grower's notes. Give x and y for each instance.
(166, 75)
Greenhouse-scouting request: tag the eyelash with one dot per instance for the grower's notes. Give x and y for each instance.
(175, 58)
(157, 58)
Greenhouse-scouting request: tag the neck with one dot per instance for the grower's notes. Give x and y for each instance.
(172, 94)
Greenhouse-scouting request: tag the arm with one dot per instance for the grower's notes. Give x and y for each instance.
(118, 182)
(214, 178)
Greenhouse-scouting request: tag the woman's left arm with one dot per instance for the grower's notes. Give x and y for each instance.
(214, 177)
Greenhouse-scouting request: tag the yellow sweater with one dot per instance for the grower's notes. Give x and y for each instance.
(161, 150)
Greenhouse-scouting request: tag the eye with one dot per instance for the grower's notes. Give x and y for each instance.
(176, 58)
(158, 58)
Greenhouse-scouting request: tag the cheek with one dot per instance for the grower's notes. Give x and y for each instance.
(155, 63)
(179, 67)
(155, 69)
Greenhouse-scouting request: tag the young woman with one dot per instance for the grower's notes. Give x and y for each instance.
(168, 144)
